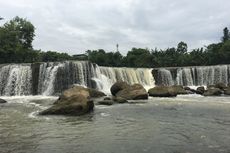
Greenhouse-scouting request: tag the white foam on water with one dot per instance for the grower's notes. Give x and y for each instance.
(104, 114)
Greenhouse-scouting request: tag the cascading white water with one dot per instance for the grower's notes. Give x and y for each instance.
(165, 77)
(184, 77)
(53, 78)
(15, 80)
(107, 76)
(195, 76)
(47, 76)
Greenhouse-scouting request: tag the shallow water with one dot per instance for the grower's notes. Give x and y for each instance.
(185, 124)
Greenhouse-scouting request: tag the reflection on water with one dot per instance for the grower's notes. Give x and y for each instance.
(163, 125)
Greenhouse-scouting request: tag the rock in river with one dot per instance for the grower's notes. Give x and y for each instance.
(2, 101)
(162, 91)
(74, 101)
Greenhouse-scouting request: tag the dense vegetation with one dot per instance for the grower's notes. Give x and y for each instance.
(16, 37)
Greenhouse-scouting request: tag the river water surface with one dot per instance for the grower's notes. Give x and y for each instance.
(185, 124)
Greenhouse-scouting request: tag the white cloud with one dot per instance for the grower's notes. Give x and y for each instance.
(77, 25)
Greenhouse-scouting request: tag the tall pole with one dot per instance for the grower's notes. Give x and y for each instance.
(117, 47)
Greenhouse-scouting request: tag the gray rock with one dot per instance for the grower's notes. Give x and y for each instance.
(200, 90)
(2, 101)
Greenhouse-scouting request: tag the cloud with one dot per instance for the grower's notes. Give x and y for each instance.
(74, 26)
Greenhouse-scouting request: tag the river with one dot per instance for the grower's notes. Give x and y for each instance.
(185, 124)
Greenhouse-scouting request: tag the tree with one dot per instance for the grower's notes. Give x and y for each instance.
(182, 47)
(226, 35)
(22, 30)
(16, 38)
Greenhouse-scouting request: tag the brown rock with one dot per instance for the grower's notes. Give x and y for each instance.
(134, 92)
(116, 87)
(162, 91)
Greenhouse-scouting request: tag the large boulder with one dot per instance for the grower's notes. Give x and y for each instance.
(213, 92)
(133, 92)
(74, 101)
(2, 101)
(77, 104)
(116, 87)
(162, 91)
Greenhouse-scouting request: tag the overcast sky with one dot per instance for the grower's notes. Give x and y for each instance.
(75, 26)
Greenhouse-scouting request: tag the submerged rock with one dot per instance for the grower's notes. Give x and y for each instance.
(213, 92)
(107, 98)
(2, 101)
(106, 102)
(119, 100)
(162, 91)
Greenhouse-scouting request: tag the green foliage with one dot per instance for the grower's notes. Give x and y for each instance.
(182, 47)
(105, 59)
(16, 37)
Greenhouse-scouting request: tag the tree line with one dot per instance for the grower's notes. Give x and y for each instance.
(17, 35)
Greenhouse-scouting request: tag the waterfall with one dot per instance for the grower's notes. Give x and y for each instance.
(193, 76)
(15, 80)
(165, 77)
(52, 78)
(107, 76)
